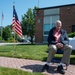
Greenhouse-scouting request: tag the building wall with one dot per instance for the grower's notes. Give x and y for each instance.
(67, 16)
(39, 26)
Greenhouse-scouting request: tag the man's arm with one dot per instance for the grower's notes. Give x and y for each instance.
(65, 39)
(50, 38)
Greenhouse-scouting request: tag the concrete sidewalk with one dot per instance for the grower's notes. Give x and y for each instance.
(19, 43)
(33, 66)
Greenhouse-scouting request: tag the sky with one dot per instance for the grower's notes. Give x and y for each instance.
(22, 6)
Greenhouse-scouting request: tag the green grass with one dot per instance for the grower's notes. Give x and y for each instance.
(35, 52)
(9, 71)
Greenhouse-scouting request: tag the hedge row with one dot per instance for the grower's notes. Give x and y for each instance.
(71, 34)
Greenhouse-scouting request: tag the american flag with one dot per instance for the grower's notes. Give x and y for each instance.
(2, 16)
(16, 27)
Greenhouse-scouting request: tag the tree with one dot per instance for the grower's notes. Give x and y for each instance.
(1, 32)
(28, 24)
(6, 33)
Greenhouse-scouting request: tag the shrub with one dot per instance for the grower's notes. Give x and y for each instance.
(0, 38)
(71, 34)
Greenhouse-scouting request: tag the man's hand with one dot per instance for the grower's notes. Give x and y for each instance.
(59, 45)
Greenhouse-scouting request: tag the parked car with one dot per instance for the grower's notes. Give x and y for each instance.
(25, 41)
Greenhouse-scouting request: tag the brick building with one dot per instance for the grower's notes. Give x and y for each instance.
(46, 17)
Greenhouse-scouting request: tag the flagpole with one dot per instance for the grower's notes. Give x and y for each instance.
(38, 3)
(13, 3)
(16, 25)
(14, 45)
(1, 25)
(14, 36)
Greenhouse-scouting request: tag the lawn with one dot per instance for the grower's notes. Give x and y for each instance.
(9, 71)
(34, 52)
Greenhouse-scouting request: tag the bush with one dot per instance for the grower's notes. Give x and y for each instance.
(0, 38)
(73, 52)
(71, 34)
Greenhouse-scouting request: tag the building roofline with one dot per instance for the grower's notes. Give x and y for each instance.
(56, 6)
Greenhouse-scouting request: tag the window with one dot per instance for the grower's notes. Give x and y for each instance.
(50, 16)
(73, 28)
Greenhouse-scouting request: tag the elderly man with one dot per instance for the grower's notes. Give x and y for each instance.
(58, 39)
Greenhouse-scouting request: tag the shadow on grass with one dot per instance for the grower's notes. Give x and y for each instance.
(4, 51)
(72, 61)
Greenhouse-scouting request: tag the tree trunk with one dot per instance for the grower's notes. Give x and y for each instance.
(31, 39)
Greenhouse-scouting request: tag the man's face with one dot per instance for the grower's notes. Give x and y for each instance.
(58, 25)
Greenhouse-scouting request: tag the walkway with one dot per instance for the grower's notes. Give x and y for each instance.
(33, 65)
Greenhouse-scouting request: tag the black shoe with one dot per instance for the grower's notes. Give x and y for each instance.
(60, 69)
(45, 68)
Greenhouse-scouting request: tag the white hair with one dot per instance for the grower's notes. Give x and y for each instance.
(58, 21)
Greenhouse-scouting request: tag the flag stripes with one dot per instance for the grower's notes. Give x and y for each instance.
(16, 27)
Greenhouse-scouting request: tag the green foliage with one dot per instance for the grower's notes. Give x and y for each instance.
(6, 33)
(28, 23)
(71, 34)
(0, 38)
(1, 30)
